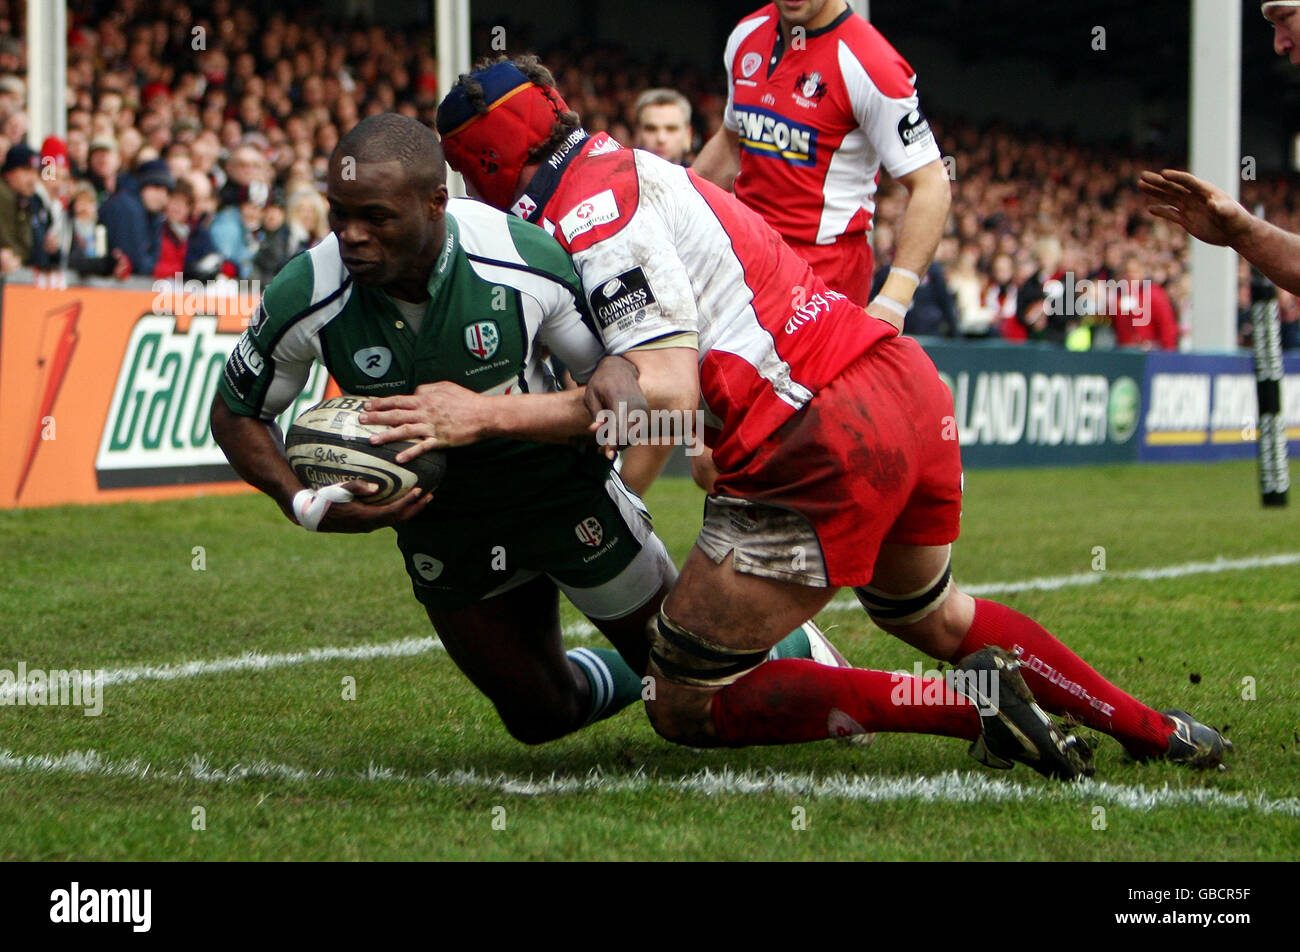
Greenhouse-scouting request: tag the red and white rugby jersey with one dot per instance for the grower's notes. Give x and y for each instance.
(661, 251)
(816, 123)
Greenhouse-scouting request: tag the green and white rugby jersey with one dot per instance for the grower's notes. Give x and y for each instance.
(501, 290)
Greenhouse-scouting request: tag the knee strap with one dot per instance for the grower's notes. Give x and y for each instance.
(907, 609)
(689, 658)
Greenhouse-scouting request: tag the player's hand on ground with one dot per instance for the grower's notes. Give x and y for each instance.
(437, 416)
(358, 516)
(1202, 209)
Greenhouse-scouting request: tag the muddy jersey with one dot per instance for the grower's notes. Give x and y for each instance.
(499, 295)
(662, 252)
(817, 122)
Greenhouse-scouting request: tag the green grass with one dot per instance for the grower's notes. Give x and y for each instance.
(115, 587)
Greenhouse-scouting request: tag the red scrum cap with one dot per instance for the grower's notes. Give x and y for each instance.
(489, 142)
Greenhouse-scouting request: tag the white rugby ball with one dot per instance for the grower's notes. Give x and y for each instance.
(329, 444)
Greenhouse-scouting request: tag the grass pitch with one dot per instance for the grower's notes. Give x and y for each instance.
(264, 759)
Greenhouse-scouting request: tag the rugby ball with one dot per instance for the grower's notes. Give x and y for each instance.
(329, 444)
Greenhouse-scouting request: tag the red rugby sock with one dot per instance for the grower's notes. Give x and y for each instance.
(794, 701)
(1064, 683)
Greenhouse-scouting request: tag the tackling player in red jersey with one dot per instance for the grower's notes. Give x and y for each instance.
(818, 102)
(830, 436)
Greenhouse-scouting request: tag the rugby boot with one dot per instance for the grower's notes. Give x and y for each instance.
(1195, 744)
(1012, 725)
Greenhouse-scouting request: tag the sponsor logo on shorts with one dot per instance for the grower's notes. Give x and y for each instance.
(621, 297)
(482, 339)
(816, 306)
(589, 531)
(750, 63)
(426, 566)
(373, 361)
(768, 133)
(600, 209)
(914, 131)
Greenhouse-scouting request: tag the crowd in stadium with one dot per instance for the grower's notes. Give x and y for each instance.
(199, 145)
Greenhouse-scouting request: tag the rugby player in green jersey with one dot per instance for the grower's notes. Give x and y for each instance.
(411, 290)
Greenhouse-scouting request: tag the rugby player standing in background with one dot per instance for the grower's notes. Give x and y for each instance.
(818, 101)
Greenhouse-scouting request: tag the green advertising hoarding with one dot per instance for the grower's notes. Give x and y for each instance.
(1040, 406)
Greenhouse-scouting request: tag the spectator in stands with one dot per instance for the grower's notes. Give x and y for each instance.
(306, 223)
(245, 167)
(1000, 298)
(18, 205)
(104, 163)
(185, 247)
(87, 245)
(237, 228)
(973, 318)
(1040, 301)
(663, 124)
(932, 312)
(134, 221)
(1143, 316)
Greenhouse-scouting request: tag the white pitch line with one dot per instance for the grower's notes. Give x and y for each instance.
(410, 647)
(1054, 583)
(252, 661)
(950, 787)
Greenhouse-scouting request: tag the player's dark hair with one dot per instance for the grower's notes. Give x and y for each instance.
(540, 76)
(388, 137)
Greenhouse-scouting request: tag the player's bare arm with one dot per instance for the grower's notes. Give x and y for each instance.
(719, 160)
(257, 455)
(1209, 214)
(669, 377)
(929, 197)
(443, 415)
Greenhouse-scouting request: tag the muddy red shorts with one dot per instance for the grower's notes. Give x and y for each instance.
(873, 458)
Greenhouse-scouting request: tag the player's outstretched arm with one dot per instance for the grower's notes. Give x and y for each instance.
(444, 415)
(256, 454)
(1209, 214)
(719, 160)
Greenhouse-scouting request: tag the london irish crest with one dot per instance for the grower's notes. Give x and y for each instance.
(482, 339)
(589, 531)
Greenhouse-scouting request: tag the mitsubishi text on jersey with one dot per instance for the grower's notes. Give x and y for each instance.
(662, 252)
(817, 121)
